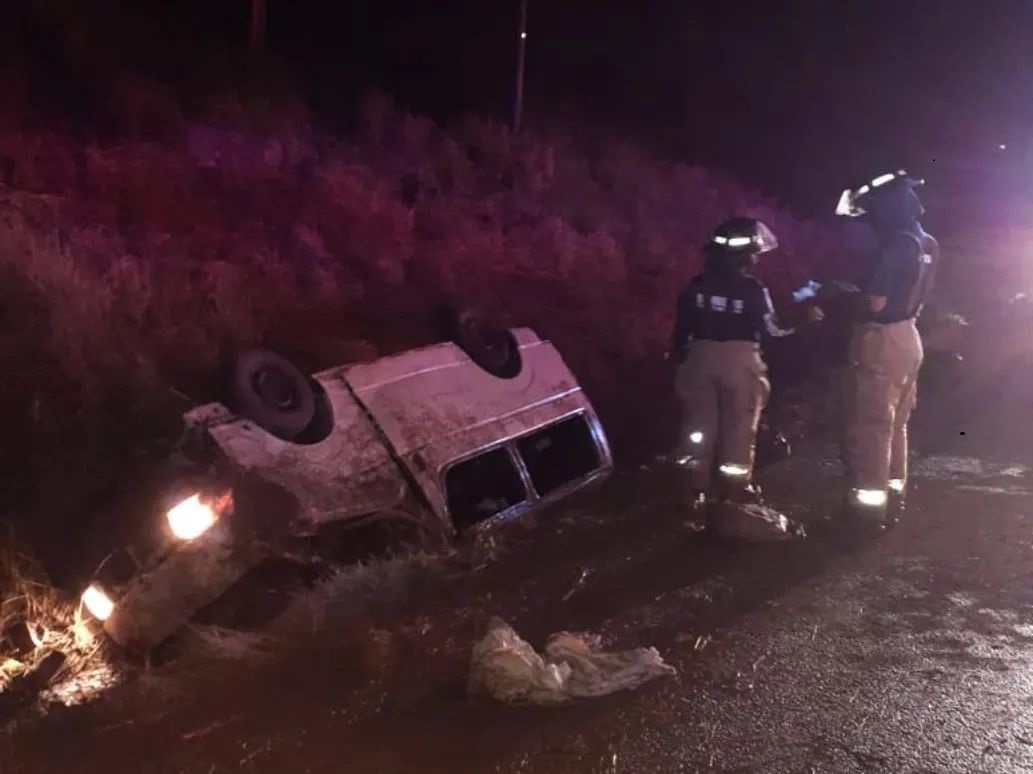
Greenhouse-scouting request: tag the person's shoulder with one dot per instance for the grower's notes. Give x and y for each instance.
(754, 285)
(903, 244)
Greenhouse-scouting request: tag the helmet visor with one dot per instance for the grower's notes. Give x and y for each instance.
(765, 239)
(848, 206)
(852, 200)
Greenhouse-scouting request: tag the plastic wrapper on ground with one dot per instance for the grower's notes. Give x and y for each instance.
(506, 668)
(753, 523)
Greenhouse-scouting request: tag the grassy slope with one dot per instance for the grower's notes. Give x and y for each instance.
(129, 267)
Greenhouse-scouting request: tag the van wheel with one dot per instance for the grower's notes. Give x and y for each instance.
(490, 345)
(272, 393)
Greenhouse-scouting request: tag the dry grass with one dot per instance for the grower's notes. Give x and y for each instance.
(128, 269)
(54, 624)
(214, 644)
(137, 250)
(346, 596)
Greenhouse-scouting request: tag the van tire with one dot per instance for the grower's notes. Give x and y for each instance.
(490, 345)
(270, 391)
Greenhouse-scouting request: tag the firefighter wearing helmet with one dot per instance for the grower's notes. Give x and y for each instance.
(722, 316)
(885, 347)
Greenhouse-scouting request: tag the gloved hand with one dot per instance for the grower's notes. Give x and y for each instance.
(815, 314)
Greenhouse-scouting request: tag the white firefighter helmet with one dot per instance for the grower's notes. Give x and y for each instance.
(745, 235)
(853, 201)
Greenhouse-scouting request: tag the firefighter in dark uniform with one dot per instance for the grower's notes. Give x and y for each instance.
(722, 316)
(885, 348)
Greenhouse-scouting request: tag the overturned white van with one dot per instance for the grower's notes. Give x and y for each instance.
(446, 437)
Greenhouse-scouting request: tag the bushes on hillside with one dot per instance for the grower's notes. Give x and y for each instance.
(129, 267)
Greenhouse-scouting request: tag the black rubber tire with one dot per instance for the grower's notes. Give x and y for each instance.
(272, 393)
(491, 346)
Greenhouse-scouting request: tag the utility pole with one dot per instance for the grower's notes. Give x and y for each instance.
(258, 24)
(518, 107)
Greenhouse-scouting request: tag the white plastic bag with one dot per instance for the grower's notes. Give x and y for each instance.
(507, 668)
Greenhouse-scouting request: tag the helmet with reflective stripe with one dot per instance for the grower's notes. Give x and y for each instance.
(854, 202)
(742, 235)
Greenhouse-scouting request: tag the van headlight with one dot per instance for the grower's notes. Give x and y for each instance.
(98, 603)
(191, 518)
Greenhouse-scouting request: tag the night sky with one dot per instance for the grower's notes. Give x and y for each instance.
(797, 97)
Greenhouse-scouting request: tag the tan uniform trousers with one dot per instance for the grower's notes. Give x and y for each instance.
(882, 389)
(723, 386)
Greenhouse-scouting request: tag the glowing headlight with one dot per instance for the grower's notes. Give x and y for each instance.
(696, 437)
(98, 603)
(191, 518)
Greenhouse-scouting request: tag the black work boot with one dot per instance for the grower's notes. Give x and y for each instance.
(737, 489)
(713, 515)
(860, 518)
(730, 492)
(750, 493)
(896, 503)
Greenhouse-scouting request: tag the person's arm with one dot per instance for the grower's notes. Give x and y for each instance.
(931, 253)
(765, 316)
(804, 307)
(684, 322)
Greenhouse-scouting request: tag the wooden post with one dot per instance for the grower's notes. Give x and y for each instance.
(518, 107)
(258, 23)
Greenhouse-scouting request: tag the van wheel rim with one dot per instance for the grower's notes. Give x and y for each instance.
(275, 389)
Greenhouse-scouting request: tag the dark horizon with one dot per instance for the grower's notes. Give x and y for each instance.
(798, 101)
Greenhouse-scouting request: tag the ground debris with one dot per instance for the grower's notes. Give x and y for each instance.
(507, 668)
(754, 523)
(29, 684)
(197, 733)
(577, 585)
(698, 641)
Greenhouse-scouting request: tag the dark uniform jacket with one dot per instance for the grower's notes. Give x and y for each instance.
(902, 271)
(723, 308)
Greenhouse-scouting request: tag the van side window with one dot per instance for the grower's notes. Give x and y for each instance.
(482, 487)
(560, 454)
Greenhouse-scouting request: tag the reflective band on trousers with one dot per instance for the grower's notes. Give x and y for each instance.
(896, 485)
(874, 498)
(730, 469)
